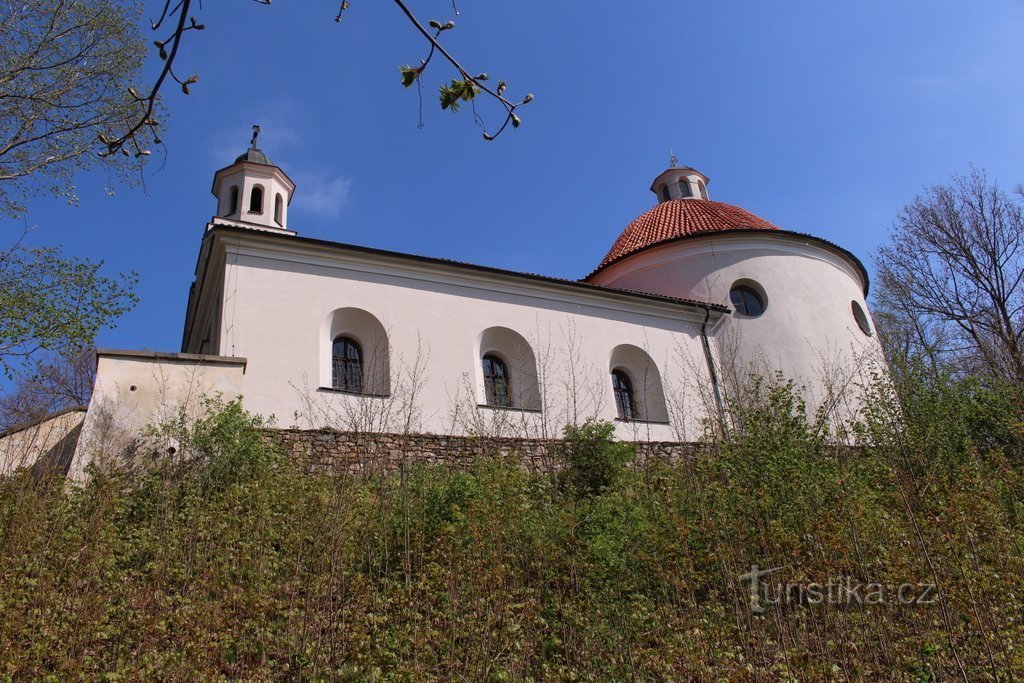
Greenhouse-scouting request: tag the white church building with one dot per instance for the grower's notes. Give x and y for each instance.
(326, 334)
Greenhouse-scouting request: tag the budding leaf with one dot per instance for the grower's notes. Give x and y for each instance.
(458, 90)
(449, 98)
(409, 75)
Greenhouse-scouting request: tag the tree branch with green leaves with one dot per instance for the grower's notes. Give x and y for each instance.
(66, 67)
(464, 88)
(70, 99)
(52, 303)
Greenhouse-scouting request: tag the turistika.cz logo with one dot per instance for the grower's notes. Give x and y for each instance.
(836, 590)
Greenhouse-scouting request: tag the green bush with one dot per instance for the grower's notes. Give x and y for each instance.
(226, 562)
(593, 459)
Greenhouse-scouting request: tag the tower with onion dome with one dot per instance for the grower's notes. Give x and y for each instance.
(798, 301)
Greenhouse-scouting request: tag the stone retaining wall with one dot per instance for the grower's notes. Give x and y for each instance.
(366, 453)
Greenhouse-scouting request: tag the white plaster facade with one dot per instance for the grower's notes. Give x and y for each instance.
(136, 390)
(449, 316)
(807, 331)
(267, 307)
(48, 443)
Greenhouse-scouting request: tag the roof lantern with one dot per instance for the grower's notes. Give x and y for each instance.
(680, 182)
(253, 192)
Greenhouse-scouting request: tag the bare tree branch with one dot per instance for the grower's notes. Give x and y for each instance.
(952, 279)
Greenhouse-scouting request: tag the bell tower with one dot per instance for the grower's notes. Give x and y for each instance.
(253, 192)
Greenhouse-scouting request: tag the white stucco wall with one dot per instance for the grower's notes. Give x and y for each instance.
(278, 299)
(135, 390)
(807, 331)
(52, 438)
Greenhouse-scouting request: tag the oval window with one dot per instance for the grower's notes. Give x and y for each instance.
(861, 317)
(746, 300)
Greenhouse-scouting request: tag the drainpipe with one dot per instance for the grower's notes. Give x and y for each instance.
(715, 386)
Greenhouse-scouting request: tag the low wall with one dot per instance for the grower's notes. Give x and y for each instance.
(365, 453)
(45, 445)
(136, 389)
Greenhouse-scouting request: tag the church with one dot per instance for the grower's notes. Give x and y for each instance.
(317, 334)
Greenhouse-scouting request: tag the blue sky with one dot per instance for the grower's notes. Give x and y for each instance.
(821, 117)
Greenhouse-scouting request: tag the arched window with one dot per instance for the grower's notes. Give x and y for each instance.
(664, 193)
(371, 353)
(256, 199)
(703, 189)
(496, 382)
(746, 300)
(636, 385)
(684, 188)
(625, 403)
(347, 365)
(279, 209)
(233, 203)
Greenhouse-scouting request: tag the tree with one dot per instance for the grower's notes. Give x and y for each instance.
(176, 21)
(62, 382)
(66, 67)
(69, 97)
(952, 279)
(49, 302)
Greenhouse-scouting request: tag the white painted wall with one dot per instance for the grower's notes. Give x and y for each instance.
(280, 294)
(137, 390)
(52, 438)
(807, 331)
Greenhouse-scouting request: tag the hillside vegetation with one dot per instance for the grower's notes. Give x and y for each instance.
(234, 565)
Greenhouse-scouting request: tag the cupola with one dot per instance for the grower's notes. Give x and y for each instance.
(680, 182)
(253, 191)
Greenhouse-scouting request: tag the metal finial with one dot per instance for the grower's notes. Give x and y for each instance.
(255, 134)
(673, 160)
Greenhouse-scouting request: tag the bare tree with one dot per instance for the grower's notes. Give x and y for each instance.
(904, 337)
(62, 382)
(66, 67)
(579, 381)
(955, 271)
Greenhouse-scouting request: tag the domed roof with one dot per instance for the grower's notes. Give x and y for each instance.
(256, 156)
(677, 218)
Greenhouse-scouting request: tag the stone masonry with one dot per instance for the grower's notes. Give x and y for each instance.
(368, 453)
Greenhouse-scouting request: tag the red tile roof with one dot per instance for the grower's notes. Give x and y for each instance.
(680, 218)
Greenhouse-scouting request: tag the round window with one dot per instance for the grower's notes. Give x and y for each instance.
(861, 317)
(746, 300)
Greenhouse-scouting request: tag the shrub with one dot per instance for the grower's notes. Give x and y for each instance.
(593, 459)
(231, 564)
